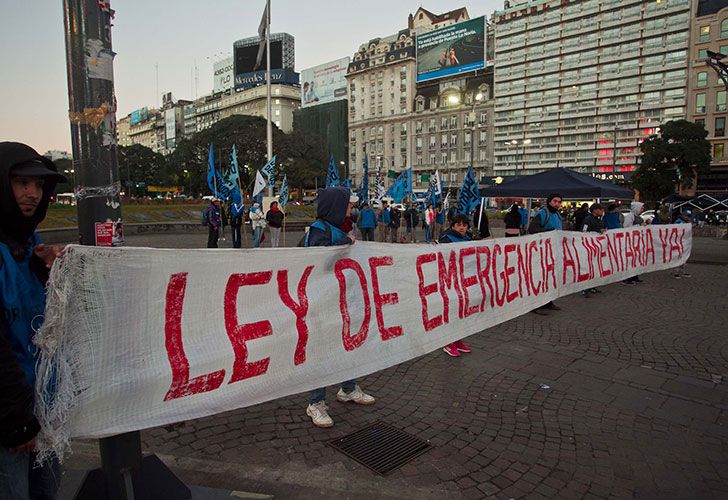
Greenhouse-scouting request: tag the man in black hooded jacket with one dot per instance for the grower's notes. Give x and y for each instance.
(27, 181)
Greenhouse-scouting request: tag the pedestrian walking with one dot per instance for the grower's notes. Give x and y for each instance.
(333, 207)
(274, 217)
(513, 221)
(27, 182)
(257, 221)
(459, 232)
(366, 222)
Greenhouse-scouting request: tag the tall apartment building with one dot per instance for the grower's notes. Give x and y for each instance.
(381, 89)
(435, 125)
(581, 83)
(707, 101)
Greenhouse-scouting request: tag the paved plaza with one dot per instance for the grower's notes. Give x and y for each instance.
(622, 395)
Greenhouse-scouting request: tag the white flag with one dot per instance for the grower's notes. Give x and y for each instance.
(259, 183)
(437, 183)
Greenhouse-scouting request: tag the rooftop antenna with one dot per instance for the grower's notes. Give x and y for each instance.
(156, 70)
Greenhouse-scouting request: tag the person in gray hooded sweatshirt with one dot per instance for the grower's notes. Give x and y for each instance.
(333, 207)
(633, 218)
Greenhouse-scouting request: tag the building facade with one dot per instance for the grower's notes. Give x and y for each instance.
(581, 83)
(707, 92)
(328, 121)
(443, 124)
(161, 130)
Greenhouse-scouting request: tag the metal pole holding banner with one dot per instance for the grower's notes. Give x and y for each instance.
(92, 113)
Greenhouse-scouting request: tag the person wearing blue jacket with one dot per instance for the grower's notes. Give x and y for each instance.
(612, 219)
(27, 181)
(459, 232)
(547, 219)
(366, 222)
(333, 207)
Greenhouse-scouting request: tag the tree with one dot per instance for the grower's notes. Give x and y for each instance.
(302, 157)
(246, 132)
(299, 155)
(140, 164)
(674, 158)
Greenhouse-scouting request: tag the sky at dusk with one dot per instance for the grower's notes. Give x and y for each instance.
(173, 35)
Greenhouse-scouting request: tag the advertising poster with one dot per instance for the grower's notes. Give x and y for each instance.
(324, 83)
(223, 78)
(456, 49)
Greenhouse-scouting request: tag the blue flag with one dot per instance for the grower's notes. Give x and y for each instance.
(401, 187)
(228, 187)
(211, 172)
(269, 170)
(283, 194)
(332, 176)
(364, 190)
(347, 184)
(469, 195)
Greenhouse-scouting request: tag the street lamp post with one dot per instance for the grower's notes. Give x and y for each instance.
(524, 143)
(478, 97)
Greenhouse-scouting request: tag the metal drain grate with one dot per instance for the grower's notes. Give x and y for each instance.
(381, 447)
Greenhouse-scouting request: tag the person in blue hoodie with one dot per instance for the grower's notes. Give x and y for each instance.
(27, 181)
(333, 207)
(366, 222)
(459, 232)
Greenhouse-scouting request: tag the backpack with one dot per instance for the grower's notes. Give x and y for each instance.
(536, 226)
(205, 217)
(304, 239)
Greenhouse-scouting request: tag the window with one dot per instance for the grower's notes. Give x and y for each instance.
(703, 54)
(453, 156)
(718, 150)
(724, 28)
(443, 158)
(702, 79)
(704, 34)
(724, 50)
(453, 121)
(720, 100)
(720, 126)
(700, 103)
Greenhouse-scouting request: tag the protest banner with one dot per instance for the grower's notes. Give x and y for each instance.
(137, 337)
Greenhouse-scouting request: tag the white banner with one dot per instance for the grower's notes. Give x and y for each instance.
(140, 337)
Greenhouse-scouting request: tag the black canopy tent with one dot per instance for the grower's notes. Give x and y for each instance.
(569, 184)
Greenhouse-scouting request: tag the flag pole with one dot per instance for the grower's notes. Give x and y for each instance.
(269, 128)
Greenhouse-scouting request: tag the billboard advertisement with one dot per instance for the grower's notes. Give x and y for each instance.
(246, 56)
(255, 78)
(324, 83)
(452, 50)
(138, 116)
(222, 75)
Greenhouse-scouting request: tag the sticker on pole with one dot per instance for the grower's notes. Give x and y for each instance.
(109, 234)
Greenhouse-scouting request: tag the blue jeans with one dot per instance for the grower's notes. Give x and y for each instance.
(428, 233)
(257, 235)
(20, 480)
(317, 395)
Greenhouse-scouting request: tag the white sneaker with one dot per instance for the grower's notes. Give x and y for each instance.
(319, 415)
(356, 396)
